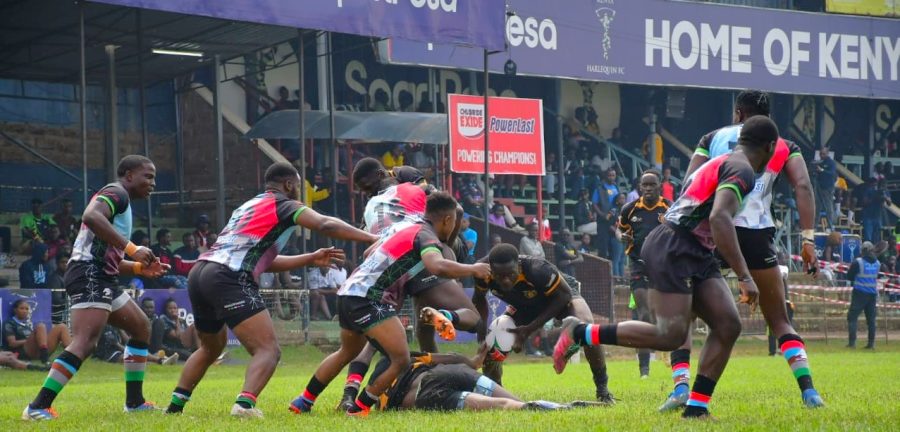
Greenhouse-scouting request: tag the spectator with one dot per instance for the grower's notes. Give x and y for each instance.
(33, 273)
(585, 216)
(506, 183)
(566, 253)
(496, 240)
(68, 224)
(211, 238)
(545, 232)
(32, 342)
(314, 193)
(604, 199)
(469, 235)
(34, 225)
(178, 337)
(509, 221)
(57, 283)
(111, 346)
(323, 287)
(634, 193)
(201, 232)
(393, 157)
(616, 249)
(864, 274)
(668, 189)
(874, 198)
(586, 247)
(174, 277)
(530, 245)
(10, 360)
(498, 215)
(140, 238)
(841, 195)
(826, 176)
(286, 296)
(472, 196)
(419, 157)
(187, 254)
(54, 241)
(552, 176)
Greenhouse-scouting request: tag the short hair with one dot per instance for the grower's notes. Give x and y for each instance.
(62, 256)
(161, 233)
(146, 299)
(753, 102)
(18, 302)
(365, 167)
(758, 131)
(503, 253)
(653, 171)
(138, 236)
(280, 171)
(131, 162)
(186, 235)
(170, 300)
(440, 202)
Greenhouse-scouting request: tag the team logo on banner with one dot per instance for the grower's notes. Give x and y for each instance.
(516, 135)
(606, 15)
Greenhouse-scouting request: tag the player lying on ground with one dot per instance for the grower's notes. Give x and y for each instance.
(98, 259)
(755, 229)
(536, 292)
(684, 272)
(223, 284)
(369, 299)
(448, 382)
(398, 195)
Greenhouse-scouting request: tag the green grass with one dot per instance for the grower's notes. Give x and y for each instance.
(756, 393)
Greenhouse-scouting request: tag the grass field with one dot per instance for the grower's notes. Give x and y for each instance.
(756, 393)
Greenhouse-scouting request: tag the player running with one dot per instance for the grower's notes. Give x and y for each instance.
(636, 220)
(536, 292)
(755, 229)
(450, 382)
(369, 299)
(223, 284)
(98, 259)
(683, 271)
(398, 195)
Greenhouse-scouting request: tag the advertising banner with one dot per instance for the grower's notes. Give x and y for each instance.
(516, 135)
(677, 43)
(883, 8)
(466, 22)
(38, 299)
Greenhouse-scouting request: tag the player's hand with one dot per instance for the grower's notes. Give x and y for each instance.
(144, 256)
(328, 256)
(155, 269)
(749, 293)
(522, 333)
(481, 270)
(810, 263)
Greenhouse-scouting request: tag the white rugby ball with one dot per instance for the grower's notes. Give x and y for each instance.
(499, 337)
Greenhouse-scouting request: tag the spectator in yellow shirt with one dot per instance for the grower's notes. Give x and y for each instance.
(393, 158)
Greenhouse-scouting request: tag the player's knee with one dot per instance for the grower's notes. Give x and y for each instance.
(730, 328)
(400, 361)
(40, 326)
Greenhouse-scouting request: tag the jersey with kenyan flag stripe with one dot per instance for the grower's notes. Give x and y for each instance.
(756, 213)
(383, 275)
(90, 248)
(404, 202)
(691, 210)
(256, 232)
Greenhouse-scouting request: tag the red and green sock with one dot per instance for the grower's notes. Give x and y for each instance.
(246, 400)
(794, 351)
(180, 397)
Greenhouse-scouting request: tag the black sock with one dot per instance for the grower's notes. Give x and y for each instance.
(135, 361)
(680, 356)
(452, 315)
(698, 403)
(180, 397)
(44, 355)
(578, 334)
(608, 334)
(644, 361)
(355, 374)
(364, 401)
(600, 381)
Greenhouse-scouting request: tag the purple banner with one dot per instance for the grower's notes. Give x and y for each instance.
(464, 22)
(495, 307)
(688, 44)
(38, 299)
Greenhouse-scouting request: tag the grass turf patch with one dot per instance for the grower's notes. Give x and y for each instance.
(757, 392)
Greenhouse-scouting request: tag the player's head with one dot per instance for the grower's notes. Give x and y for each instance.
(758, 137)
(750, 103)
(284, 177)
(440, 210)
(504, 261)
(368, 175)
(137, 175)
(650, 185)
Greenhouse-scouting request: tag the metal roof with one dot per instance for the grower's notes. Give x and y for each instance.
(39, 40)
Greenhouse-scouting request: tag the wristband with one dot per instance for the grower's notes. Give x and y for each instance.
(808, 235)
(137, 268)
(745, 279)
(131, 249)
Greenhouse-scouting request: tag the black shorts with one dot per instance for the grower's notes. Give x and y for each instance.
(676, 261)
(424, 280)
(638, 272)
(221, 296)
(525, 316)
(757, 247)
(360, 314)
(89, 287)
(445, 387)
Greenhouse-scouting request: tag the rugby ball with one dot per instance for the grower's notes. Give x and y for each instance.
(499, 338)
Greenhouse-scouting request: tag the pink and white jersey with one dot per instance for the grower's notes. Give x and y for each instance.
(404, 202)
(691, 210)
(756, 213)
(383, 275)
